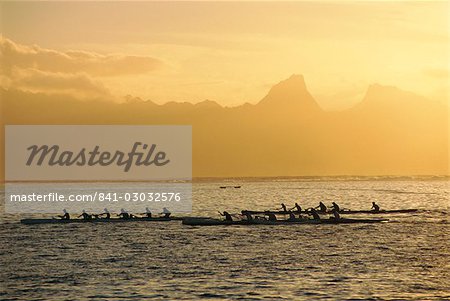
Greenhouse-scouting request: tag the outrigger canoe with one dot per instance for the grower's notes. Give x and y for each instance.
(192, 221)
(377, 212)
(34, 221)
(340, 212)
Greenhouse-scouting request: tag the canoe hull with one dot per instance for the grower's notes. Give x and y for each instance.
(340, 212)
(378, 212)
(217, 222)
(99, 220)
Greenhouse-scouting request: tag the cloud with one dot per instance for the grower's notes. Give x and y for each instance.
(76, 84)
(14, 55)
(81, 74)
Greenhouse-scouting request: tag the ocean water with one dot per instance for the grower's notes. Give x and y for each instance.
(405, 259)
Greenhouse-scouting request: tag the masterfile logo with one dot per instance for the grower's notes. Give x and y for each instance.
(98, 153)
(52, 156)
(50, 169)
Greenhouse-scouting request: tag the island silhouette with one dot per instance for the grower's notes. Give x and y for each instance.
(390, 132)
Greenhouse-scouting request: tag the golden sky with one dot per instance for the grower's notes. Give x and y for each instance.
(230, 52)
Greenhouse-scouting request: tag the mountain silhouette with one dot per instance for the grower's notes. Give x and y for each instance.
(389, 98)
(390, 132)
(290, 94)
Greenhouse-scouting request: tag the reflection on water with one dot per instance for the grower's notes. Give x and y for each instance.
(406, 259)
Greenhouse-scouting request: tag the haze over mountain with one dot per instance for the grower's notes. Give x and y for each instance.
(390, 132)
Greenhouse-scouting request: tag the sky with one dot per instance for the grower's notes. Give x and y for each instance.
(229, 52)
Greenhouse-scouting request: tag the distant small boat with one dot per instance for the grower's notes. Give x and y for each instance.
(191, 221)
(223, 187)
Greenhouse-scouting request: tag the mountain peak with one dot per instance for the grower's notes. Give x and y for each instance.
(376, 89)
(383, 97)
(297, 79)
(290, 93)
(377, 92)
(294, 82)
(208, 104)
